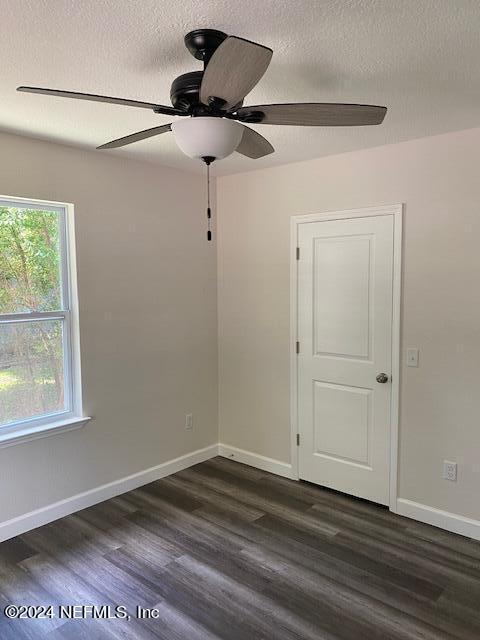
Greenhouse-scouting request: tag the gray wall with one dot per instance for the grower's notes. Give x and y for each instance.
(147, 290)
(438, 179)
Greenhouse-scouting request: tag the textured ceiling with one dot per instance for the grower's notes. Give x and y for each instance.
(418, 57)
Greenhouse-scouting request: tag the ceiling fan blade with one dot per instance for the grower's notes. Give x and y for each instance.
(314, 114)
(233, 70)
(253, 145)
(136, 137)
(158, 108)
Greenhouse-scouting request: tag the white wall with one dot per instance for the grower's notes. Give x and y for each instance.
(147, 289)
(438, 179)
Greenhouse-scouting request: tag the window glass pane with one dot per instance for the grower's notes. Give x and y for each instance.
(31, 369)
(29, 260)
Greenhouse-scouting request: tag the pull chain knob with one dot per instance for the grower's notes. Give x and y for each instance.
(208, 161)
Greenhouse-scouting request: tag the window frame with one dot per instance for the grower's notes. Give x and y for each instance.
(72, 416)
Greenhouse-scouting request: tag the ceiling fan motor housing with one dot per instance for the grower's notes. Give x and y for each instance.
(185, 95)
(185, 91)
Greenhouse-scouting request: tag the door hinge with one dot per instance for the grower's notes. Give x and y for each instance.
(298, 439)
(297, 346)
(298, 253)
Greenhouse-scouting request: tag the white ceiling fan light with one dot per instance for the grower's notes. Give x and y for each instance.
(207, 137)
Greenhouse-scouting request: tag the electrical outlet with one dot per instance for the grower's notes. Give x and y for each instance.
(450, 470)
(188, 421)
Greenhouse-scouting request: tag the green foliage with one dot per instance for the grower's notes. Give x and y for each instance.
(29, 260)
(31, 358)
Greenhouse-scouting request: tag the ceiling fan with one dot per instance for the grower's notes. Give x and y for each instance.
(213, 100)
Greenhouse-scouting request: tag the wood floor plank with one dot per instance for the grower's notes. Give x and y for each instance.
(350, 554)
(223, 551)
(238, 469)
(305, 565)
(407, 544)
(178, 626)
(115, 585)
(209, 496)
(227, 601)
(273, 552)
(16, 550)
(264, 494)
(272, 502)
(20, 588)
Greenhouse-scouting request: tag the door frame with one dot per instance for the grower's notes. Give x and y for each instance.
(395, 210)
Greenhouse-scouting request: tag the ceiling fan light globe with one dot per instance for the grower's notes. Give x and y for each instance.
(204, 136)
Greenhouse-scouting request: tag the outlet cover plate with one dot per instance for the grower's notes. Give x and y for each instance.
(450, 470)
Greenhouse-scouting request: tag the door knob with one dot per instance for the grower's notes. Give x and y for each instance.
(382, 378)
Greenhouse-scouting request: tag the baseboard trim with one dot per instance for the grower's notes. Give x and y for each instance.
(255, 460)
(438, 518)
(39, 517)
(21, 524)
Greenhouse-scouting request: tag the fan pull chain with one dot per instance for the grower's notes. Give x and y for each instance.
(209, 211)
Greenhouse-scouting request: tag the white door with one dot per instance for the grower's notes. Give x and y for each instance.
(345, 285)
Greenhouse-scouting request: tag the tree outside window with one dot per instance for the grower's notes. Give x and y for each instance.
(33, 314)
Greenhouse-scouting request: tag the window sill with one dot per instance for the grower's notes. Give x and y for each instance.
(28, 433)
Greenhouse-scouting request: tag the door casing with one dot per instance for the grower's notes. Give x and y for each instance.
(395, 210)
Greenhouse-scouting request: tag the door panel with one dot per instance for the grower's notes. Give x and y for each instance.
(342, 422)
(342, 276)
(344, 323)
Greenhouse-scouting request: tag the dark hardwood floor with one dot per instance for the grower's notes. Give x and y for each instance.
(224, 551)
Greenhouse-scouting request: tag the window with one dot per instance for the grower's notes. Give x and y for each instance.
(39, 354)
